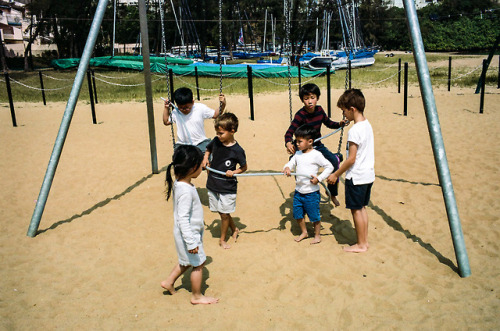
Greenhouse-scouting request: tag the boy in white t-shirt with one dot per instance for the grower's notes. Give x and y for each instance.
(359, 165)
(306, 198)
(190, 117)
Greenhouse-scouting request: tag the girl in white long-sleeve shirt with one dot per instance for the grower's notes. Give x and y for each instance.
(188, 221)
(307, 161)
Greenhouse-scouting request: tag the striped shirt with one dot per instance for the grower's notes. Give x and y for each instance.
(314, 119)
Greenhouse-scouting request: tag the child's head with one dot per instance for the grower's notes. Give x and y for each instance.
(309, 94)
(183, 98)
(225, 126)
(227, 121)
(308, 89)
(186, 161)
(304, 136)
(352, 98)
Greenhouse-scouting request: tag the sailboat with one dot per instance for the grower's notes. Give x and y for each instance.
(353, 47)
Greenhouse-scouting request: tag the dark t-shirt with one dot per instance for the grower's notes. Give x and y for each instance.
(223, 159)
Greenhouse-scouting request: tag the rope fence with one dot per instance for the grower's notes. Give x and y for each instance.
(436, 73)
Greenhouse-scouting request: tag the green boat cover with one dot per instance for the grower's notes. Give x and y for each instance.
(186, 67)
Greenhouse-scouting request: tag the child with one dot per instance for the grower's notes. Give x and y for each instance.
(226, 154)
(188, 221)
(315, 115)
(359, 165)
(306, 198)
(190, 128)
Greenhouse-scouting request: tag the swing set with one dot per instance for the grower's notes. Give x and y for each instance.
(425, 87)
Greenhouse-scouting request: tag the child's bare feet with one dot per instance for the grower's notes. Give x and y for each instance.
(301, 237)
(203, 300)
(316, 240)
(235, 234)
(356, 248)
(224, 244)
(335, 201)
(168, 286)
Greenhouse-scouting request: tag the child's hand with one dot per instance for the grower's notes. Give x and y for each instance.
(314, 180)
(166, 102)
(229, 173)
(287, 172)
(193, 251)
(344, 123)
(290, 148)
(332, 179)
(205, 164)
(222, 99)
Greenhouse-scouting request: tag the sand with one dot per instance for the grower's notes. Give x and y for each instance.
(105, 239)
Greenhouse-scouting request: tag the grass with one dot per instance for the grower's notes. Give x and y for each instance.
(123, 86)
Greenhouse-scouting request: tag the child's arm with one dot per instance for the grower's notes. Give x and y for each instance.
(332, 124)
(349, 162)
(184, 203)
(327, 170)
(166, 112)
(287, 168)
(205, 161)
(296, 122)
(240, 170)
(222, 103)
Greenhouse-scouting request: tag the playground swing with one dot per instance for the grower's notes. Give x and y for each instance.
(287, 42)
(427, 94)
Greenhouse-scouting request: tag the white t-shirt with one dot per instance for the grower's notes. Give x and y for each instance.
(309, 164)
(363, 169)
(190, 127)
(188, 224)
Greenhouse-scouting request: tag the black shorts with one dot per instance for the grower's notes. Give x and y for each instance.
(357, 196)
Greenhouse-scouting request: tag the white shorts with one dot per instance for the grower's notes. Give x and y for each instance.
(224, 203)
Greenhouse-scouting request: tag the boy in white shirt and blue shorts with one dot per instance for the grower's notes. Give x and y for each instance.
(306, 198)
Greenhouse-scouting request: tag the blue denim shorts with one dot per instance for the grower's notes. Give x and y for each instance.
(306, 204)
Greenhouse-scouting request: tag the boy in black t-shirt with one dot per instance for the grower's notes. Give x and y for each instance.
(226, 154)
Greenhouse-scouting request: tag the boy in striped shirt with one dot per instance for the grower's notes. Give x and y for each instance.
(315, 116)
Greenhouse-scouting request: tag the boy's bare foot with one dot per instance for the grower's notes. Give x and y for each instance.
(203, 300)
(168, 286)
(301, 237)
(316, 240)
(235, 234)
(335, 201)
(355, 248)
(224, 245)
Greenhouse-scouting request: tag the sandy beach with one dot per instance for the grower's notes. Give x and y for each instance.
(105, 240)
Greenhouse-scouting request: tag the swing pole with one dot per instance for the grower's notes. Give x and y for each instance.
(66, 120)
(436, 138)
(147, 84)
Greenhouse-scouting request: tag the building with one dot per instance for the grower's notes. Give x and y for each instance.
(15, 30)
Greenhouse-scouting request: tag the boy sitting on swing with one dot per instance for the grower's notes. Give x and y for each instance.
(190, 117)
(314, 115)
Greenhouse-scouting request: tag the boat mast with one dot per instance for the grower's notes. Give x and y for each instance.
(264, 38)
(177, 23)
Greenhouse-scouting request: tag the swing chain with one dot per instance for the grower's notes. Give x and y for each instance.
(220, 51)
(287, 44)
(164, 43)
(220, 45)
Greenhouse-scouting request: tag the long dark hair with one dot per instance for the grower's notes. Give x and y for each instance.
(185, 159)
